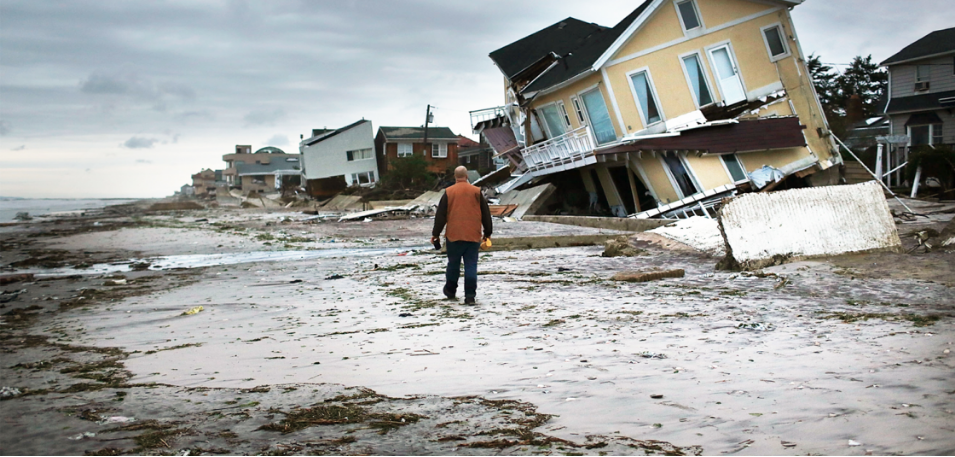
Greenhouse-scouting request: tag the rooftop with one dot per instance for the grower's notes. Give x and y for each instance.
(939, 42)
(417, 133)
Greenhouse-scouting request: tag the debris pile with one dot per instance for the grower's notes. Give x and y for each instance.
(620, 247)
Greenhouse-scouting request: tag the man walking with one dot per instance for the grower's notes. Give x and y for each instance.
(464, 210)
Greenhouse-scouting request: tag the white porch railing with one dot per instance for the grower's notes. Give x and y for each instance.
(571, 150)
(487, 114)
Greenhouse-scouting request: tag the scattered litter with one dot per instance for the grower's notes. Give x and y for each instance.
(656, 396)
(854, 443)
(115, 282)
(652, 355)
(139, 266)
(82, 435)
(191, 311)
(423, 352)
(334, 277)
(638, 276)
(561, 269)
(406, 315)
(7, 392)
(787, 443)
(296, 281)
(757, 326)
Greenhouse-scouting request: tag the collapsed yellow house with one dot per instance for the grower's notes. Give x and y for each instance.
(680, 104)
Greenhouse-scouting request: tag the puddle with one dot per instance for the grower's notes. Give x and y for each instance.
(210, 260)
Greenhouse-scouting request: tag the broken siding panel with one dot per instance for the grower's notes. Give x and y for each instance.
(776, 159)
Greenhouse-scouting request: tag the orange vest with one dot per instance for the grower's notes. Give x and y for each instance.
(464, 212)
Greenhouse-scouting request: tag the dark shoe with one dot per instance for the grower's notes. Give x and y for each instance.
(469, 301)
(450, 294)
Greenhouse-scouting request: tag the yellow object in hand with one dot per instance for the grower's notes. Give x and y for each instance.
(486, 244)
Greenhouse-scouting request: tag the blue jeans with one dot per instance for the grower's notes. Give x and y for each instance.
(469, 251)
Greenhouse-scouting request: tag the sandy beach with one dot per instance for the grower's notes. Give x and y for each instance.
(327, 337)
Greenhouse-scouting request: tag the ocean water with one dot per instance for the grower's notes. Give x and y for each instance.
(9, 207)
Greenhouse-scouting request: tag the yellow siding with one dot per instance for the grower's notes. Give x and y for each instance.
(719, 12)
(565, 93)
(658, 178)
(708, 171)
(777, 159)
(663, 27)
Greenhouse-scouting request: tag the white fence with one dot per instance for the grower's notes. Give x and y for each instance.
(571, 150)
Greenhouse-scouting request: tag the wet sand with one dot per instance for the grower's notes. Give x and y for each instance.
(555, 358)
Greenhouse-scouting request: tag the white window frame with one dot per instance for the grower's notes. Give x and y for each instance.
(540, 110)
(356, 178)
(563, 112)
(782, 39)
(712, 67)
(689, 171)
(653, 93)
(741, 167)
(578, 108)
(441, 153)
(583, 106)
(931, 133)
(695, 31)
(704, 67)
(409, 147)
(362, 152)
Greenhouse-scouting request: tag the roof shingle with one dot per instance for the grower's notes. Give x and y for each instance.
(937, 42)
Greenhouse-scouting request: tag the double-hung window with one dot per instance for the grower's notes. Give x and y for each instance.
(646, 99)
(925, 134)
(404, 150)
(697, 79)
(563, 114)
(577, 108)
(733, 167)
(365, 177)
(775, 43)
(439, 150)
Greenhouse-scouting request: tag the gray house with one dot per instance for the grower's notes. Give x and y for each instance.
(921, 99)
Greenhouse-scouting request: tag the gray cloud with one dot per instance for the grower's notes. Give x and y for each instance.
(277, 140)
(264, 117)
(19, 148)
(138, 142)
(4, 128)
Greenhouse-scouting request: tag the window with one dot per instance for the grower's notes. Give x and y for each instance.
(697, 79)
(553, 121)
(733, 167)
(936, 134)
(599, 116)
(439, 150)
(925, 134)
(923, 73)
(688, 15)
(563, 114)
(366, 177)
(775, 44)
(578, 109)
(646, 99)
(681, 175)
(359, 154)
(404, 150)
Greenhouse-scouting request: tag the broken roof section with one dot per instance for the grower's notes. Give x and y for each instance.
(417, 133)
(735, 137)
(325, 134)
(575, 44)
(937, 43)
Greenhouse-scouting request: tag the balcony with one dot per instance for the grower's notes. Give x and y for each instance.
(486, 114)
(571, 150)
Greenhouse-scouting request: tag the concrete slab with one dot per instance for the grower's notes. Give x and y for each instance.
(625, 224)
(763, 229)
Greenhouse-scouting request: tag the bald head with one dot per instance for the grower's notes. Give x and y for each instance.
(460, 174)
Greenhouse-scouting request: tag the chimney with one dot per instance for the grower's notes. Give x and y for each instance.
(854, 111)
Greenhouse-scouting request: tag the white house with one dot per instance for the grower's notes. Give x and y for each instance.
(335, 159)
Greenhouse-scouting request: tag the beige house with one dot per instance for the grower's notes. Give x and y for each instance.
(268, 169)
(680, 104)
(204, 183)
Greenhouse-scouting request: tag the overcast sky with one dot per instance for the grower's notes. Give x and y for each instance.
(112, 98)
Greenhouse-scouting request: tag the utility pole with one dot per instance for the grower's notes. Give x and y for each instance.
(427, 118)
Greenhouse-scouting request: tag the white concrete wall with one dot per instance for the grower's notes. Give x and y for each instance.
(327, 158)
(768, 228)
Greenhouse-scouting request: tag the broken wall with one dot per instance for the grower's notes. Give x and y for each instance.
(764, 229)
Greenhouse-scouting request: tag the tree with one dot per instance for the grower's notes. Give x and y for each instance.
(824, 80)
(863, 77)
